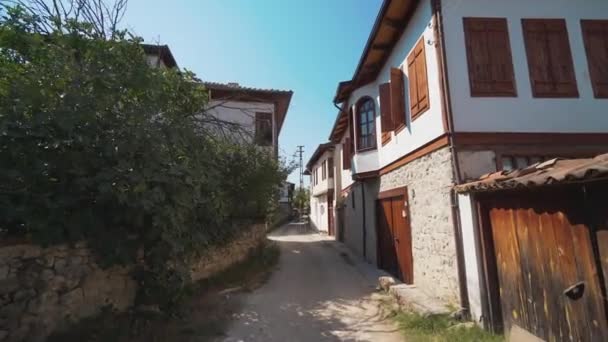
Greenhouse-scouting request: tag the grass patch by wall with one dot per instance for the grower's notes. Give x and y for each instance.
(202, 316)
(440, 328)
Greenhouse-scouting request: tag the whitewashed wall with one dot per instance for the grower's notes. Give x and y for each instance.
(323, 185)
(319, 214)
(426, 127)
(243, 113)
(467, 223)
(523, 113)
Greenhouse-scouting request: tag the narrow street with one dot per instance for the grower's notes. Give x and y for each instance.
(318, 293)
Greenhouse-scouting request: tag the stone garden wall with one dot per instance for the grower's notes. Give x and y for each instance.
(429, 181)
(44, 289)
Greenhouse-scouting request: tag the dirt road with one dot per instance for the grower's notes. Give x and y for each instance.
(318, 293)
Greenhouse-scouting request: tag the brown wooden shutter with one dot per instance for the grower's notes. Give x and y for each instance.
(489, 57)
(346, 154)
(418, 80)
(549, 58)
(397, 98)
(353, 138)
(385, 111)
(595, 35)
(330, 167)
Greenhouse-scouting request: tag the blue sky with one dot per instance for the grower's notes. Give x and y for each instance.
(307, 46)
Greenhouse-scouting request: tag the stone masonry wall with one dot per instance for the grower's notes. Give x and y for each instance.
(44, 289)
(218, 259)
(429, 180)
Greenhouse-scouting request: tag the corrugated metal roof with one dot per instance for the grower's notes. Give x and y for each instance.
(555, 171)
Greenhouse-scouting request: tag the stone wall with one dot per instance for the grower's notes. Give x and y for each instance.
(220, 258)
(44, 289)
(429, 180)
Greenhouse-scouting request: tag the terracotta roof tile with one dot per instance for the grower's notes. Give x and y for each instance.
(555, 171)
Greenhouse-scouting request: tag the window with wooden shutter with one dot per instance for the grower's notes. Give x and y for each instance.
(418, 80)
(386, 119)
(549, 58)
(346, 148)
(351, 131)
(398, 98)
(330, 167)
(595, 35)
(489, 57)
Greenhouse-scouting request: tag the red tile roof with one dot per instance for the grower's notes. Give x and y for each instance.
(551, 172)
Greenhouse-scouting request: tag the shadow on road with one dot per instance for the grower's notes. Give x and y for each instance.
(316, 294)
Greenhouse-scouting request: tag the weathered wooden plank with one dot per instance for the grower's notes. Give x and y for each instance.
(574, 310)
(592, 298)
(545, 249)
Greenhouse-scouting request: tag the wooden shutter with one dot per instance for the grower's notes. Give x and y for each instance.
(351, 125)
(397, 98)
(330, 167)
(385, 112)
(418, 80)
(346, 154)
(595, 35)
(549, 58)
(489, 57)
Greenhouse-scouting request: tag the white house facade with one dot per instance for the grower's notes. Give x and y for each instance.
(321, 169)
(446, 91)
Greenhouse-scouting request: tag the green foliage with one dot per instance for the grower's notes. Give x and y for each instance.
(440, 328)
(301, 199)
(97, 145)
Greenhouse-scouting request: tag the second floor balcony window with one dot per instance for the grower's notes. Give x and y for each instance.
(366, 127)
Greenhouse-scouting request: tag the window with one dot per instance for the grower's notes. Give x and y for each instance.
(366, 128)
(263, 129)
(595, 35)
(419, 89)
(323, 170)
(489, 57)
(549, 58)
(330, 166)
(386, 119)
(512, 162)
(346, 154)
(398, 98)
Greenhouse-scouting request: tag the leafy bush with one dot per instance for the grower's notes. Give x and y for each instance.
(97, 145)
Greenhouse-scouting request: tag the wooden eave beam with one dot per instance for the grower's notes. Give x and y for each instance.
(381, 46)
(394, 23)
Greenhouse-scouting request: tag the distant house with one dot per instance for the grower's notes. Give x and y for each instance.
(159, 56)
(320, 167)
(260, 113)
(444, 92)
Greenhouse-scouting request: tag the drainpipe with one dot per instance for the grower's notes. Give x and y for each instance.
(456, 222)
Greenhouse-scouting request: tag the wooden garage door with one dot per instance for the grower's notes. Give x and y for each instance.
(395, 237)
(548, 275)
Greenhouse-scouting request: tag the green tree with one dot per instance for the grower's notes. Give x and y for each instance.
(96, 145)
(302, 200)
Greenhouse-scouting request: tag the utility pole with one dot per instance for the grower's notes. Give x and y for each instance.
(300, 151)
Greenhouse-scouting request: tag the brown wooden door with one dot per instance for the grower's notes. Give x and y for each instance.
(395, 238)
(330, 214)
(548, 276)
(387, 256)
